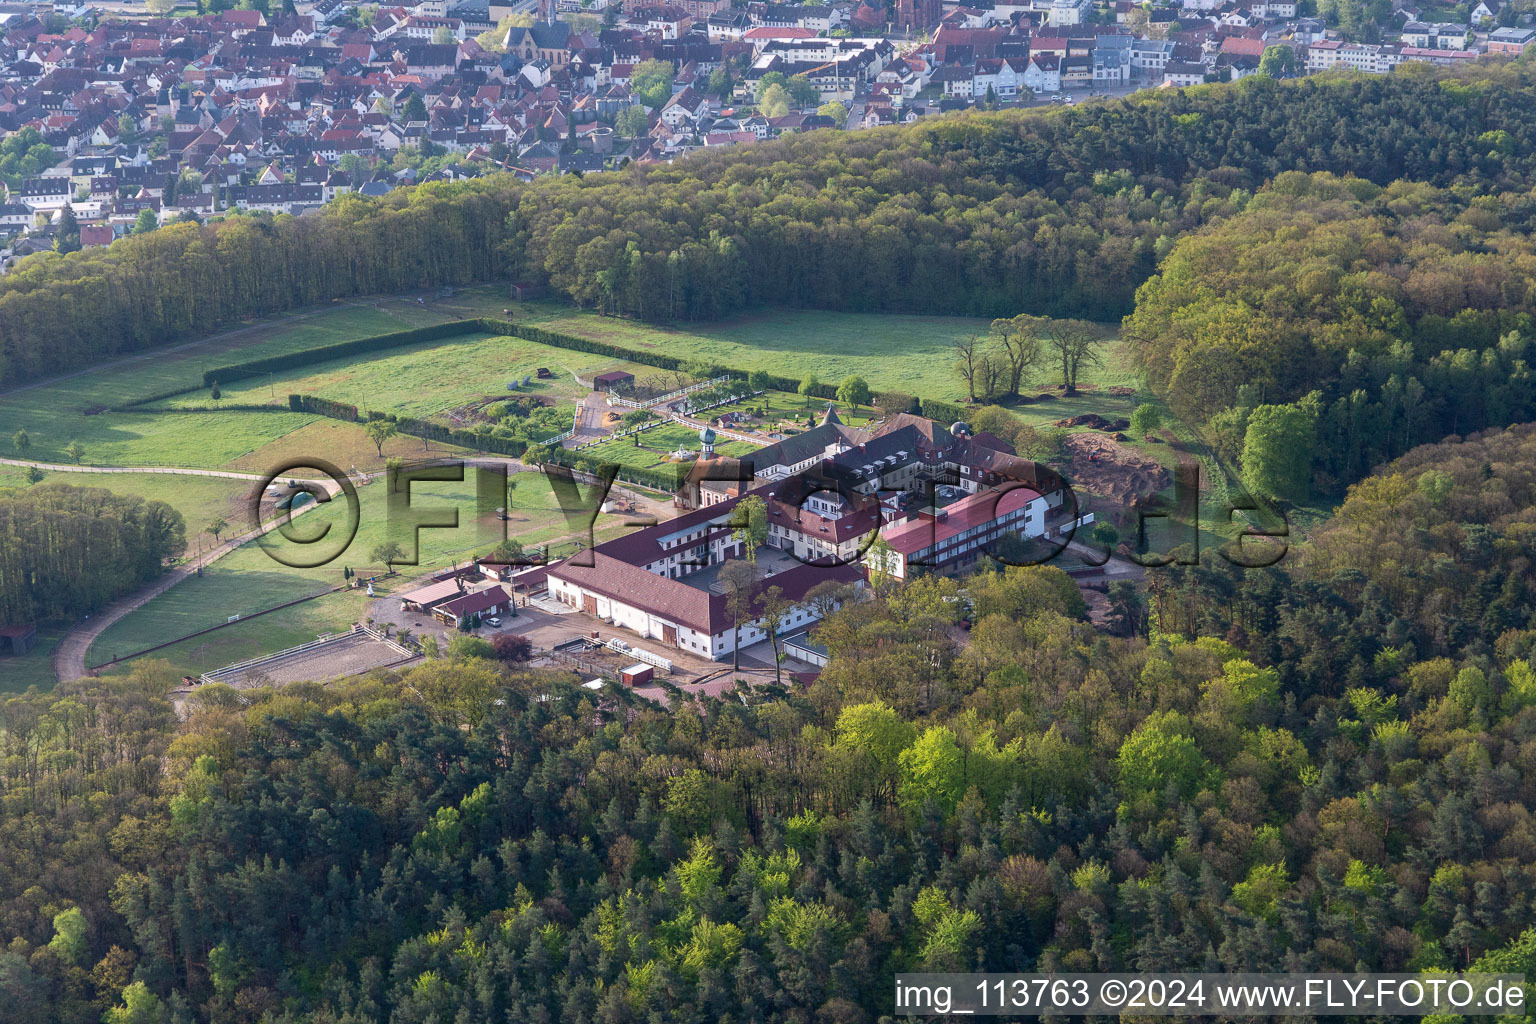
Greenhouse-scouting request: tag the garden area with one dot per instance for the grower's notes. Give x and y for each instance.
(658, 444)
(779, 411)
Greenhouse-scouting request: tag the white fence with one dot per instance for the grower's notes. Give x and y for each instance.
(576, 422)
(239, 670)
(630, 403)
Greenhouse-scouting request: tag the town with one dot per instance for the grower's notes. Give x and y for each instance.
(119, 118)
(630, 512)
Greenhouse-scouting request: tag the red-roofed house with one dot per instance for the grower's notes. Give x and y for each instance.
(96, 235)
(764, 34)
(1243, 47)
(490, 601)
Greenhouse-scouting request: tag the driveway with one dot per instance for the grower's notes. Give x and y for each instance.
(589, 420)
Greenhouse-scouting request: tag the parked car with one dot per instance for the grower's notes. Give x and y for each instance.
(493, 621)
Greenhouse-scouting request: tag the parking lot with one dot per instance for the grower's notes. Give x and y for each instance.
(548, 623)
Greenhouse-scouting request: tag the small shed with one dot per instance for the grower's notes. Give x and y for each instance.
(637, 675)
(613, 380)
(17, 639)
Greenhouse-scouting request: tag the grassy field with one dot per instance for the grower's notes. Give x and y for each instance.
(56, 413)
(896, 353)
(35, 668)
(250, 579)
(252, 638)
(198, 498)
(425, 379)
(343, 445)
(197, 440)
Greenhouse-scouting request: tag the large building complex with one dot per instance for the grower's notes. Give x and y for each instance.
(838, 500)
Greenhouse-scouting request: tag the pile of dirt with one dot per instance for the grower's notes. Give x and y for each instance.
(1103, 468)
(1094, 420)
(1121, 391)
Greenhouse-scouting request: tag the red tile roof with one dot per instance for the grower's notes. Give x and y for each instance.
(479, 601)
(1245, 47)
(680, 602)
(779, 33)
(976, 510)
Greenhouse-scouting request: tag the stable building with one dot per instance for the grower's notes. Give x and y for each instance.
(490, 601)
(662, 583)
(937, 496)
(613, 380)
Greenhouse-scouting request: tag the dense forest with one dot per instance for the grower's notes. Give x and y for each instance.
(1384, 317)
(66, 551)
(1325, 767)
(1061, 212)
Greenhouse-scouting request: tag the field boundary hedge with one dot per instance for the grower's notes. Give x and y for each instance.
(943, 411)
(411, 425)
(339, 350)
(158, 396)
(666, 480)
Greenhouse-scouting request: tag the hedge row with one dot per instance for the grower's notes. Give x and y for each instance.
(411, 425)
(944, 412)
(225, 407)
(340, 350)
(510, 446)
(666, 480)
(158, 396)
(602, 348)
(323, 407)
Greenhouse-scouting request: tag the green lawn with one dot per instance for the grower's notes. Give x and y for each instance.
(288, 627)
(782, 409)
(423, 380)
(250, 579)
(657, 443)
(892, 352)
(33, 668)
(56, 414)
(197, 440)
(198, 498)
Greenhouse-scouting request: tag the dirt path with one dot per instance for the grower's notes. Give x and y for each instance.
(589, 420)
(69, 656)
(64, 467)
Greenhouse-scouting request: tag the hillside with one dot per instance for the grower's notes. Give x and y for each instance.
(1063, 212)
